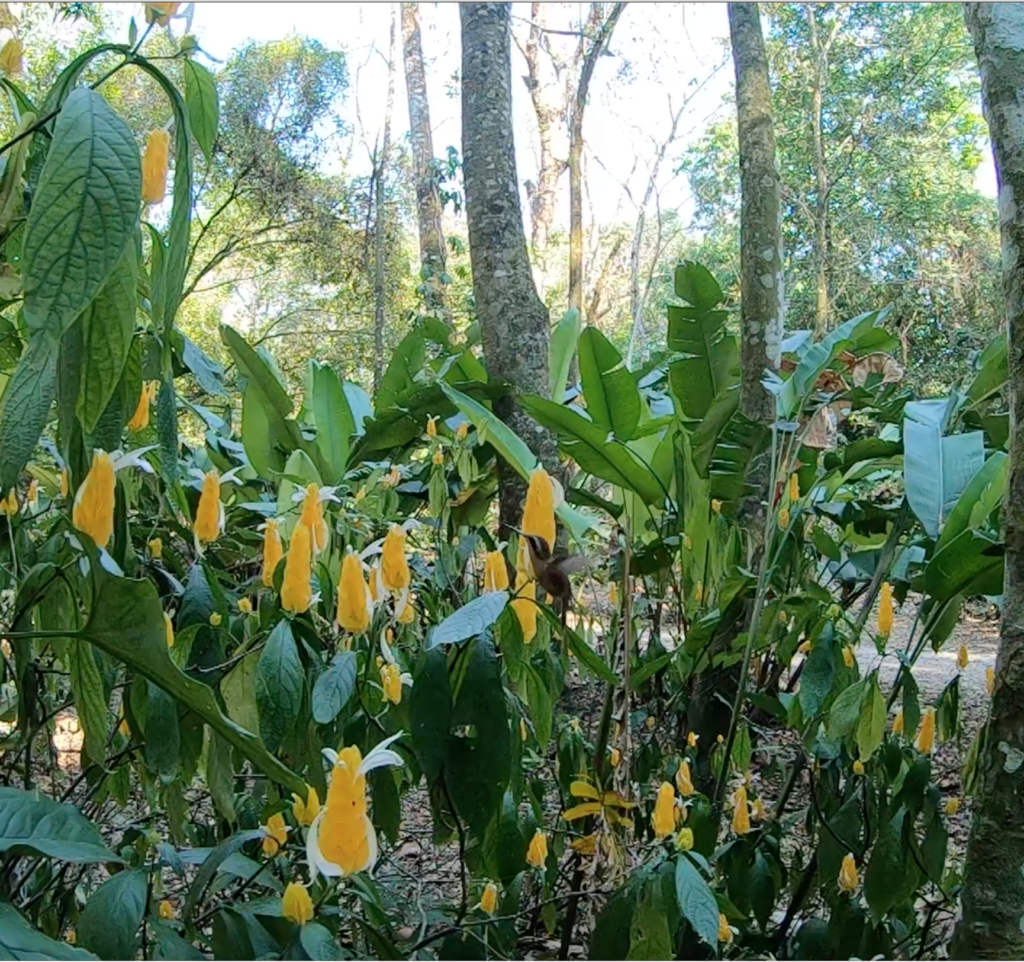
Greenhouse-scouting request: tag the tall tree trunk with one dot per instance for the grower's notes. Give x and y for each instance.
(380, 221)
(993, 892)
(819, 51)
(428, 202)
(600, 43)
(514, 322)
(761, 290)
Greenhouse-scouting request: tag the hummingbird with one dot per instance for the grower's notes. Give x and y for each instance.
(551, 570)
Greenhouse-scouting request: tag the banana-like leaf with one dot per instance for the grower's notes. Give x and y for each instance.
(562, 347)
(613, 400)
(993, 371)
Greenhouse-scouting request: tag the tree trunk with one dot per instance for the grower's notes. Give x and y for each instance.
(379, 223)
(514, 322)
(761, 290)
(428, 202)
(819, 51)
(993, 891)
(590, 59)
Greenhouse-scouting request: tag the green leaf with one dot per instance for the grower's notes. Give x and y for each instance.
(25, 406)
(613, 400)
(742, 750)
(279, 683)
(479, 761)
(399, 380)
(985, 489)
(214, 861)
(127, 622)
(319, 944)
(333, 418)
(107, 328)
(386, 814)
(32, 824)
(594, 451)
(207, 372)
(586, 655)
(512, 448)
(871, 725)
(993, 371)
(762, 889)
(538, 700)
(110, 921)
(711, 362)
(430, 710)
(83, 213)
(203, 106)
(887, 867)
(561, 349)
(20, 941)
(695, 284)
(470, 620)
(334, 687)
(90, 699)
(816, 680)
(220, 775)
(844, 837)
(696, 900)
(505, 846)
(257, 373)
(261, 448)
(970, 563)
(845, 711)
(238, 689)
(649, 935)
(163, 734)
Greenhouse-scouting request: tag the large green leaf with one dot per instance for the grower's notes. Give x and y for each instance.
(613, 401)
(126, 621)
(90, 698)
(334, 687)
(110, 921)
(513, 449)
(696, 285)
(430, 709)
(399, 380)
(993, 371)
(279, 683)
(711, 364)
(257, 373)
(472, 619)
(84, 211)
(970, 563)
(107, 328)
(31, 824)
(888, 868)
(594, 451)
(19, 941)
(560, 351)
(203, 106)
(333, 419)
(871, 724)
(25, 406)
(696, 900)
(982, 495)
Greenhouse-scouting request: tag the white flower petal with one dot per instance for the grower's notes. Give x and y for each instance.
(231, 477)
(410, 524)
(110, 564)
(371, 838)
(372, 549)
(406, 679)
(331, 755)
(378, 758)
(133, 459)
(196, 473)
(315, 858)
(299, 495)
(385, 650)
(327, 494)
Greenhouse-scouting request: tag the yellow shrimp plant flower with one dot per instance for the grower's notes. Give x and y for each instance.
(140, 419)
(683, 780)
(926, 736)
(273, 551)
(93, 510)
(741, 812)
(663, 819)
(394, 568)
(489, 898)
(495, 572)
(296, 593)
(296, 904)
(848, 876)
(276, 834)
(313, 497)
(885, 610)
(305, 812)
(342, 841)
(154, 166)
(355, 605)
(525, 606)
(537, 853)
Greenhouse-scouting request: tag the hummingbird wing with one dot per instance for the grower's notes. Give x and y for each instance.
(574, 563)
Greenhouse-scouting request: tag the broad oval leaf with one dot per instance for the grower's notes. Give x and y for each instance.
(25, 405)
(279, 684)
(561, 349)
(83, 214)
(203, 106)
(613, 400)
(470, 620)
(333, 417)
(19, 940)
(110, 921)
(90, 698)
(430, 710)
(36, 825)
(334, 687)
(696, 900)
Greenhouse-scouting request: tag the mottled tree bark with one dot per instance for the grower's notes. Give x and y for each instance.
(993, 892)
(761, 288)
(428, 202)
(514, 322)
(819, 51)
(379, 222)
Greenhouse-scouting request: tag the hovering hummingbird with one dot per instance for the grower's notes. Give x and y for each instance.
(551, 570)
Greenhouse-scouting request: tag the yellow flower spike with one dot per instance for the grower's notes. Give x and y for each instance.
(684, 782)
(687, 541)
(216, 619)
(296, 594)
(525, 607)
(392, 479)
(783, 518)
(244, 606)
(273, 552)
(524, 732)
(848, 877)
(431, 427)
(614, 757)
(952, 806)
(391, 682)
(375, 584)
(858, 767)
(585, 845)
(9, 505)
(805, 648)
(462, 431)
(161, 12)
(613, 594)
(11, 57)
(741, 813)
(406, 613)
(210, 513)
(70, 937)
(698, 592)
(438, 458)
(691, 739)
(168, 630)
(794, 488)
(537, 853)
(394, 568)
(140, 419)
(296, 905)
(156, 548)
(885, 610)
(684, 840)
(897, 723)
(165, 910)
(539, 510)
(360, 494)
(663, 819)
(354, 601)
(724, 929)
(313, 518)
(32, 495)
(848, 657)
(926, 736)
(306, 811)
(154, 167)
(93, 513)
(716, 506)
(990, 681)
(277, 834)
(489, 898)
(720, 738)
(962, 657)
(757, 811)
(65, 484)
(495, 572)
